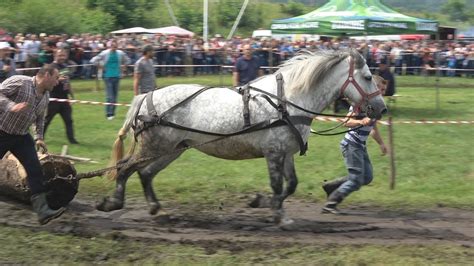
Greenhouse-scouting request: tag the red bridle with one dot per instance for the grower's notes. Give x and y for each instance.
(365, 97)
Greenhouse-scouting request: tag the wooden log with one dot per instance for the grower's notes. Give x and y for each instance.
(59, 179)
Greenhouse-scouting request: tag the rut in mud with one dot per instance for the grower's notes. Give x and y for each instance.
(240, 227)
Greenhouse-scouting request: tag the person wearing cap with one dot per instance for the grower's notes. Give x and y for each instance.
(23, 102)
(144, 79)
(113, 61)
(7, 64)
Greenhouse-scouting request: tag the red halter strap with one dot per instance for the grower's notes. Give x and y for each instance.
(350, 79)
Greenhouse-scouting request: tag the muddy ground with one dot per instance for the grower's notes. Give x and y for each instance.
(240, 227)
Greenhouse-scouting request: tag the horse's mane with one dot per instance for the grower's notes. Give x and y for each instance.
(308, 68)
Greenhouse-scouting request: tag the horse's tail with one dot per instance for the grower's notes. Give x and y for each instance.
(118, 147)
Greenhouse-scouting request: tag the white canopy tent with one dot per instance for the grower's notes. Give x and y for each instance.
(172, 30)
(131, 30)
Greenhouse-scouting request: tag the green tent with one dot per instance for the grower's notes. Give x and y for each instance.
(354, 17)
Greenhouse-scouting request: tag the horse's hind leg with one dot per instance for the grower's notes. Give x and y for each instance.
(116, 201)
(146, 176)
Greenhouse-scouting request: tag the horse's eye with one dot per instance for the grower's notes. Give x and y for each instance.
(368, 77)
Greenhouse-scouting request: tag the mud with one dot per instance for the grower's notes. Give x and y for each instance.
(240, 227)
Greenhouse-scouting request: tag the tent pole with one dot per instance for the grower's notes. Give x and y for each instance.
(438, 73)
(204, 17)
(171, 13)
(237, 20)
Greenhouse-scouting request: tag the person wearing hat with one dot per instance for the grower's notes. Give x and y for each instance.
(7, 64)
(144, 79)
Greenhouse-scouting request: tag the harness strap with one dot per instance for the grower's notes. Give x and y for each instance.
(135, 116)
(246, 109)
(153, 118)
(255, 127)
(149, 105)
(281, 96)
(290, 121)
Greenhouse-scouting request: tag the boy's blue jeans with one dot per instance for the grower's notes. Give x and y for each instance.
(358, 166)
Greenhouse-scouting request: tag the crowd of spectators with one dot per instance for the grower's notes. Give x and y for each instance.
(405, 57)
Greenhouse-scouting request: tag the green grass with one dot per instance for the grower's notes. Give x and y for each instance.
(46, 248)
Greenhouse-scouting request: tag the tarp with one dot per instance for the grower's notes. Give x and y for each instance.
(131, 30)
(172, 30)
(354, 17)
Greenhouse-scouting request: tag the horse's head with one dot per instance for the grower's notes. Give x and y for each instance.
(361, 89)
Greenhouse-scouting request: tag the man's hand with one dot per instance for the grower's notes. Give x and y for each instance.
(41, 146)
(366, 121)
(19, 107)
(383, 149)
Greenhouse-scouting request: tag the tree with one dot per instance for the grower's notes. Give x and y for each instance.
(127, 13)
(293, 8)
(456, 9)
(189, 16)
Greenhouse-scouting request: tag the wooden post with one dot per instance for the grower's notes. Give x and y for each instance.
(221, 81)
(392, 153)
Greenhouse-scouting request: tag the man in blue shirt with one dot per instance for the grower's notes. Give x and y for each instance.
(247, 67)
(112, 61)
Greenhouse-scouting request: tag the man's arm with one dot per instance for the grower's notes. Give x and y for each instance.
(378, 138)
(351, 122)
(9, 88)
(96, 60)
(136, 78)
(236, 74)
(235, 78)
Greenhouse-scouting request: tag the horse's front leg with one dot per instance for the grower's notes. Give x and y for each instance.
(275, 162)
(290, 176)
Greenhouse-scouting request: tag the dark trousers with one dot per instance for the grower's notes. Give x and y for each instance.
(65, 110)
(23, 147)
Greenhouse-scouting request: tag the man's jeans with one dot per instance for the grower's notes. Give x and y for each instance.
(358, 165)
(111, 86)
(23, 147)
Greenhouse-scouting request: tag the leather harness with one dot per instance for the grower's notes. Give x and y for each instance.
(154, 119)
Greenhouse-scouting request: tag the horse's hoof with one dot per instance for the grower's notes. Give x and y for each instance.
(154, 208)
(286, 221)
(109, 204)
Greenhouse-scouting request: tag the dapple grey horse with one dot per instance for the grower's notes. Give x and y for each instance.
(311, 81)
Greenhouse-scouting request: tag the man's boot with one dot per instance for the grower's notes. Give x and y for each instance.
(40, 206)
(334, 199)
(330, 186)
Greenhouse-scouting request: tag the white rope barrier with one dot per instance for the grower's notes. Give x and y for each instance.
(324, 119)
(263, 67)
